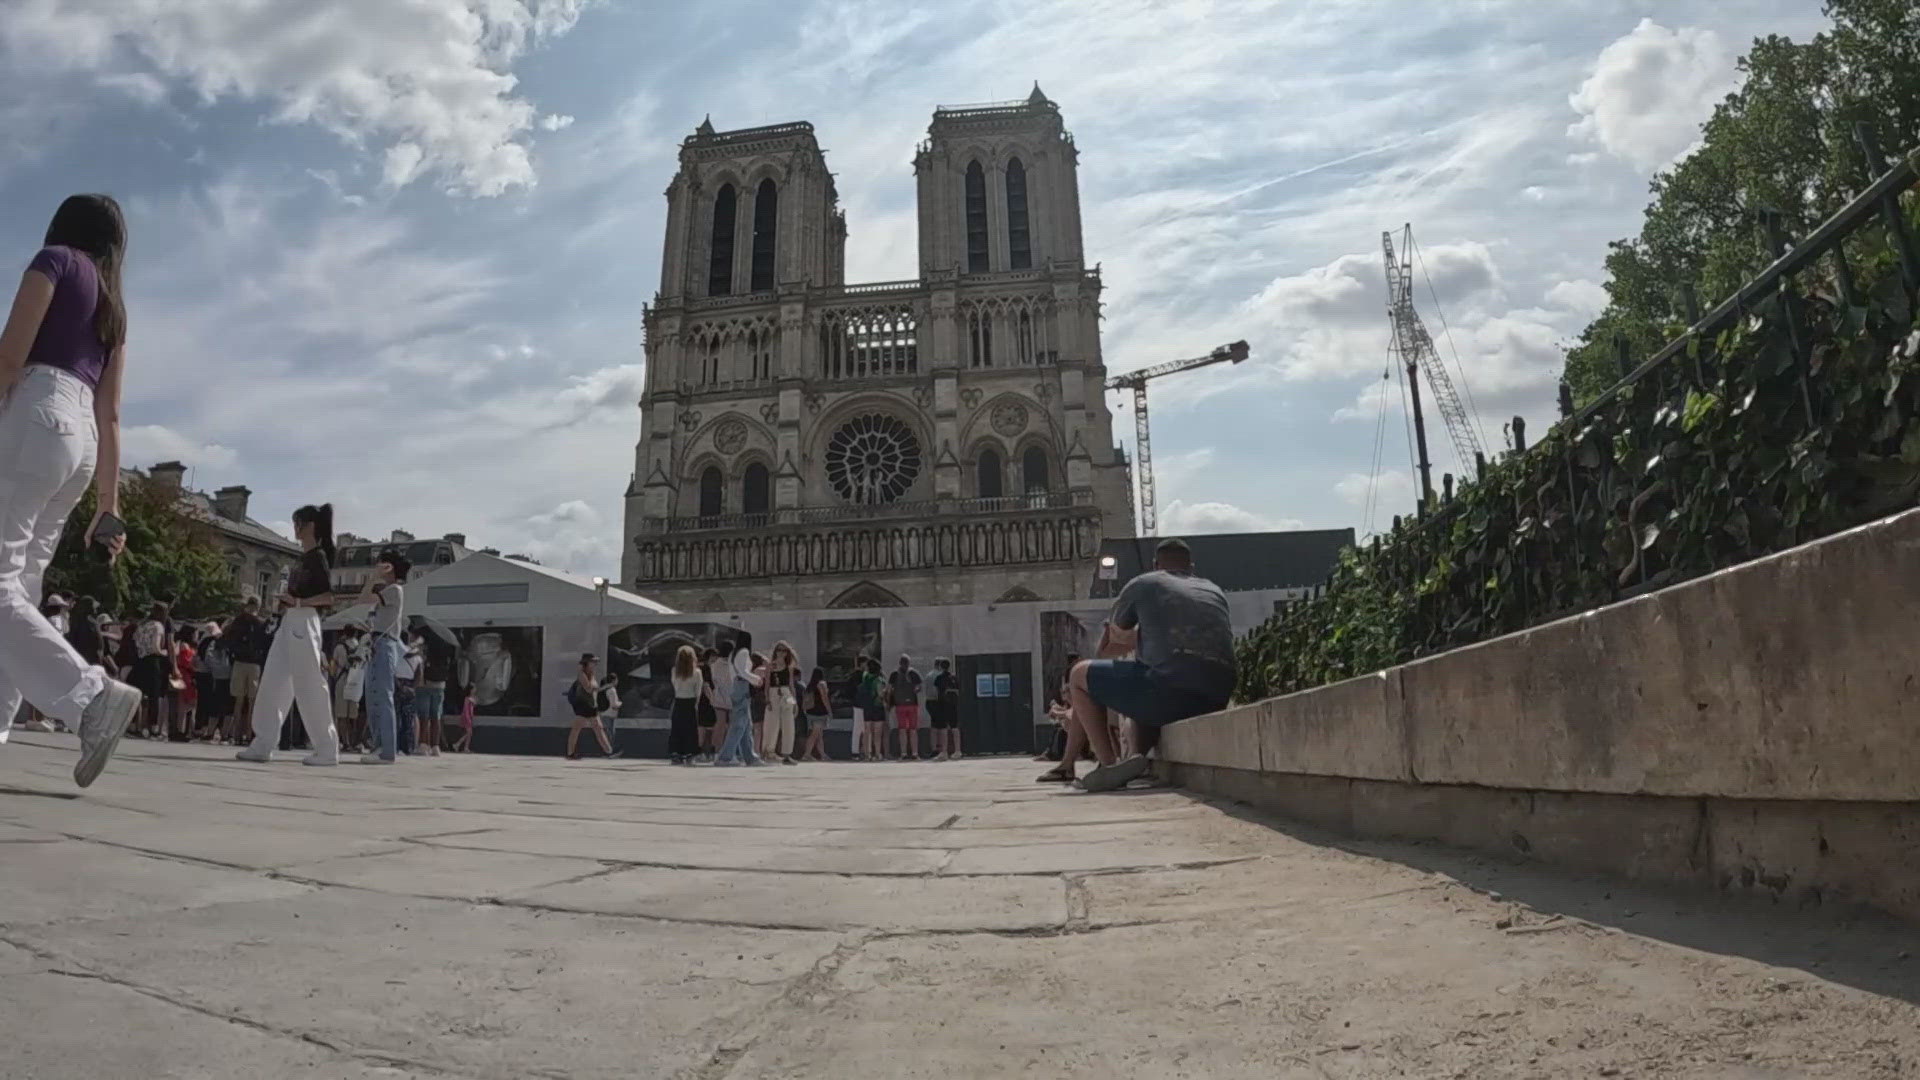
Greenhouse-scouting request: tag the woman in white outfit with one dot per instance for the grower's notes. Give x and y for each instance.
(293, 671)
(783, 685)
(61, 360)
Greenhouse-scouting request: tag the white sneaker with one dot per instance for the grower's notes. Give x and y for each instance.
(255, 753)
(433, 751)
(942, 756)
(37, 725)
(318, 760)
(101, 725)
(375, 759)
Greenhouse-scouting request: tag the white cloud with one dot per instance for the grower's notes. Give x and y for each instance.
(1649, 92)
(431, 78)
(555, 122)
(1180, 518)
(142, 445)
(1392, 489)
(1579, 297)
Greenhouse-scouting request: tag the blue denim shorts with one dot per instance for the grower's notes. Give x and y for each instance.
(1131, 689)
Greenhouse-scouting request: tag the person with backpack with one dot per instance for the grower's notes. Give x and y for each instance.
(585, 695)
(247, 643)
(872, 704)
(943, 711)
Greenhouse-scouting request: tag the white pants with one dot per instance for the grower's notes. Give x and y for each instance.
(47, 445)
(779, 740)
(293, 674)
(858, 732)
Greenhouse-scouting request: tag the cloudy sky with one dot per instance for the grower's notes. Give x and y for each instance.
(393, 253)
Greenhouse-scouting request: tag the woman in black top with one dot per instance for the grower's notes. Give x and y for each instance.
(708, 716)
(816, 708)
(293, 671)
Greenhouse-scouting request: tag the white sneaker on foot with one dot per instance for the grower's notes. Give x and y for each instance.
(317, 759)
(256, 754)
(101, 725)
(37, 725)
(375, 759)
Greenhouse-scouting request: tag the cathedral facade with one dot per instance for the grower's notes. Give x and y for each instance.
(806, 443)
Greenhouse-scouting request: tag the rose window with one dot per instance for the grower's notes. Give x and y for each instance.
(872, 459)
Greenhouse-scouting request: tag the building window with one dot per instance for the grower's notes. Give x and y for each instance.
(713, 361)
(987, 482)
(754, 497)
(1023, 349)
(1033, 468)
(1019, 240)
(720, 265)
(976, 219)
(872, 459)
(710, 492)
(766, 216)
(980, 337)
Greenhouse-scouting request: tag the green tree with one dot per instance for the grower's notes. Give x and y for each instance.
(1783, 142)
(170, 556)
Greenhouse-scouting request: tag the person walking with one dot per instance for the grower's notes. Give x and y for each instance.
(783, 679)
(61, 361)
(903, 690)
(683, 731)
(739, 684)
(292, 671)
(186, 684)
(584, 694)
(818, 710)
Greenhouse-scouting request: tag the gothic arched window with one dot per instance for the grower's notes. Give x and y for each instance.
(720, 265)
(1019, 239)
(710, 482)
(766, 216)
(988, 480)
(976, 219)
(754, 490)
(1033, 469)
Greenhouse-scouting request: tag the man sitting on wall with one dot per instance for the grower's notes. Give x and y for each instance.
(1177, 624)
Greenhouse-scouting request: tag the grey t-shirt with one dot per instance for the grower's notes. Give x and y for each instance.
(1185, 633)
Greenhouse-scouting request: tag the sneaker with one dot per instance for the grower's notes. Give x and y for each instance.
(261, 756)
(101, 726)
(375, 759)
(37, 725)
(1117, 775)
(788, 761)
(320, 761)
(433, 751)
(942, 756)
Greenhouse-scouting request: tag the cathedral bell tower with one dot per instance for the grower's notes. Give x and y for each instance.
(999, 189)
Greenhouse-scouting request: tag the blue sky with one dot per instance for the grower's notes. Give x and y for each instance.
(392, 253)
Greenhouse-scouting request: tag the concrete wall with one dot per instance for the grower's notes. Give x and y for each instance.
(1758, 728)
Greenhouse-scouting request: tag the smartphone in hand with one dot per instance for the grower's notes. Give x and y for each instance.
(105, 531)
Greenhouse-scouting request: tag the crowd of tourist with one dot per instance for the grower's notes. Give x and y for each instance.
(735, 706)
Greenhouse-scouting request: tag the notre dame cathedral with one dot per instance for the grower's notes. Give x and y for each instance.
(806, 443)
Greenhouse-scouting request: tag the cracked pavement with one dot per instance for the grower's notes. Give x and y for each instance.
(502, 917)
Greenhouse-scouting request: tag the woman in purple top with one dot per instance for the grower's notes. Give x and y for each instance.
(60, 368)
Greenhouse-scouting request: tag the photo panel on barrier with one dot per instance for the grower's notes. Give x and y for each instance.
(641, 657)
(838, 643)
(501, 665)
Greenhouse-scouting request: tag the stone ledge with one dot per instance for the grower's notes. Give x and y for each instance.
(1793, 852)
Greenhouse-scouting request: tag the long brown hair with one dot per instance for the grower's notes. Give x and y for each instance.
(685, 662)
(93, 224)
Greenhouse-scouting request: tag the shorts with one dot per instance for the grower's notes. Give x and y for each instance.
(1131, 689)
(941, 714)
(246, 680)
(874, 716)
(707, 715)
(906, 717)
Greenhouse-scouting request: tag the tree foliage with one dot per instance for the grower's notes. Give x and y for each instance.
(1799, 419)
(1782, 142)
(170, 556)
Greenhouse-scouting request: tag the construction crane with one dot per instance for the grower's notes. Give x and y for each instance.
(1136, 381)
(1414, 348)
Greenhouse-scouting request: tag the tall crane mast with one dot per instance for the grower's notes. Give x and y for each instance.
(1142, 438)
(1414, 348)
